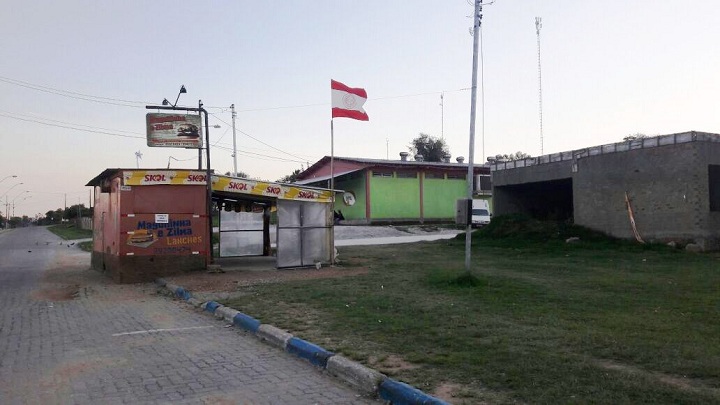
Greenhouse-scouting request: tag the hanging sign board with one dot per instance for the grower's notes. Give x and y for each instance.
(173, 130)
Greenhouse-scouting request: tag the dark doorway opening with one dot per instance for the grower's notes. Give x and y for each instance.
(546, 200)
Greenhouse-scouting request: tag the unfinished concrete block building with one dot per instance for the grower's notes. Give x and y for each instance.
(672, 184)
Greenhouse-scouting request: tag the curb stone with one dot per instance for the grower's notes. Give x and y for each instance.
(226, 313)
(366, 380)
(274, 336)
(308, 351)
(399, 393)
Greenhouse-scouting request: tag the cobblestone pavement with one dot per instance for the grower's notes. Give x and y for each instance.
(70, 336)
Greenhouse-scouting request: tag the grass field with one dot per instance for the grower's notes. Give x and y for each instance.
(539, 320)
(70, 232)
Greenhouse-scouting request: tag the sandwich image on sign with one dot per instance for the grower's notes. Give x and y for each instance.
(141, 238)
(188, 130)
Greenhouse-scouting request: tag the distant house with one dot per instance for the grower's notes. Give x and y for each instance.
(378, 190)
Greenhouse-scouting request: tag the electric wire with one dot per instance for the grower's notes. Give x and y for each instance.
(142, 104)
(259, 155)
(69, 123)
(95, 131)
(252, 137)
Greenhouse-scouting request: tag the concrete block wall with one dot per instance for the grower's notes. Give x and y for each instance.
(667, 186)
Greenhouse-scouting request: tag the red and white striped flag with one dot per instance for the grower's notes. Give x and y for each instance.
(348, 102)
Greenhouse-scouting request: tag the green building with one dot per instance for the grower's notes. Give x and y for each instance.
(377, 190)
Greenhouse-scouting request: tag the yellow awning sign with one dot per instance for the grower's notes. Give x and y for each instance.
(268, 189)
(225, 184)
(157, 177)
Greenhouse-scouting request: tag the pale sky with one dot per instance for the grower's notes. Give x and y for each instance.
(609, 69)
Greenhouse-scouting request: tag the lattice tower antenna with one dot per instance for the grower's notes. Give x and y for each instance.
(538, 25)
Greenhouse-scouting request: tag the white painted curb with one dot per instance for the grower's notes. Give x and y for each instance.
(364, 379)
(274, 336)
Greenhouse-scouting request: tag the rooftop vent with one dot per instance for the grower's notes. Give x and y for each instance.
(403, 156)
(460, 159)
(419, 158)
(446, 158)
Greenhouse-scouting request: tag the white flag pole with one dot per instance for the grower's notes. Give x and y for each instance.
(332, 190)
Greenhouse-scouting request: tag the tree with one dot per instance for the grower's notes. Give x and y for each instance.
(290, 178)
(512, 156)
(431, 148)
(241, 175)
(635, 136)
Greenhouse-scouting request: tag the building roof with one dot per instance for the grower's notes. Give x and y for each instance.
(344, 165)
(617, 147)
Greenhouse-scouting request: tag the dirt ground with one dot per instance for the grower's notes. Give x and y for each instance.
(224, 284)
(229, 281)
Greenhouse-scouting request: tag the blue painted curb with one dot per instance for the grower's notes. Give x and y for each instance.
(313, 353)
(211, 306)
(246, 322)
(183, 293)
(402, 394)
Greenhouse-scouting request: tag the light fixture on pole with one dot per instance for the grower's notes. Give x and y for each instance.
(182, 91)
(7, 205)
(8, 190)
(16, 197)
(7, 177)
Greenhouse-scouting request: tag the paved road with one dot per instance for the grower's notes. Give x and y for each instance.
(68, 335)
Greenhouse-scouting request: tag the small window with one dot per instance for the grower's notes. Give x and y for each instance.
(714, 187)
(456, 176)
(407, 175)
(382, 174)
(434, 175)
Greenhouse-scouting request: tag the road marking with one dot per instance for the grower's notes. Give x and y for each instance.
(140, 332)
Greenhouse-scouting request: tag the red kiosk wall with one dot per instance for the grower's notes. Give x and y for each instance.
(145, 248)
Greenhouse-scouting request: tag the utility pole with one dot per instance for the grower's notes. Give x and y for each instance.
(200, 149)
(538, 25)
(442, 116)
(477, 20)
(235, 171)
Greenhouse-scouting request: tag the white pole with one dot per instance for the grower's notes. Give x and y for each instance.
(471, 151)
(538, 25)
(332, 190)
(235, 172)
(442, 115)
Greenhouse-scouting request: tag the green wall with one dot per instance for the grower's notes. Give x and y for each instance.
(356, 186)
(394, 198)
(440, 195)
(399, 198)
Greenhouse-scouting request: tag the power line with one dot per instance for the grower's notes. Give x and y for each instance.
(372, 99)
(73, 95)
(40, 87)
(262, 142)
(69, 123)
(274, 158)
(95, 131)
(142, 104)
(104, 131)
